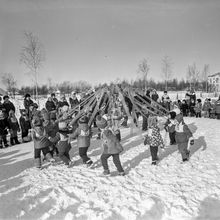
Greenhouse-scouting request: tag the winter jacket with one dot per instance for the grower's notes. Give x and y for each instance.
(153, 137)
(110, 143)
(183, 133)
(8, 106)
(25, 124)
(51, 129)
(27, 103)
(217, 107)
(13, 124)
(83, 134)
(50, 106)
(170, 125)
(198, 107)
(62, 103)
(73, 102)
(206, 106)
(39, 137)
(3, 126)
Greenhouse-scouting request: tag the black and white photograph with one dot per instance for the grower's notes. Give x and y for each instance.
(110, 109)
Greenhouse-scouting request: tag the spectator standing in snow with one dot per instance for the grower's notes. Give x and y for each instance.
(50, 105)
(217, 108)
(8, 105)
(14, 128)
(198, 108)
(27, 102)
(166, 101)
(153, 138)
(25, 125)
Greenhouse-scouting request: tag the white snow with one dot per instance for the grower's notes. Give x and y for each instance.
(171, 190)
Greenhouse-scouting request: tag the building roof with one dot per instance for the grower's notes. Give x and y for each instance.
(215, 74)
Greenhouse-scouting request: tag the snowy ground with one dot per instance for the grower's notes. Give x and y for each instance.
(169, 191)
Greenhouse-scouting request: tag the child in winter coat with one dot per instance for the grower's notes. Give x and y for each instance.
(153, 138)
(51, 129)
(170, 127)
(111, 147)
(183, 137)
(198, 108)
(184, 108)
(14, 128)
(41, 142)
(25, 125)
(83, 134)
(3, 128)
(206, 108)
(116, 117)
(63, 144)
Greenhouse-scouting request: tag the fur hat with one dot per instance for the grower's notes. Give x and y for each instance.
(83, 120)
(101, 122)
(5, 97)
(27, 95)
(172, 115)
(37, 121)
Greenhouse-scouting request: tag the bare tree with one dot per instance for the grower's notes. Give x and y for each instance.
(32, 55)
(204, 75)
(143, 69)
(166, 69)
(192, 75)
(10, 83)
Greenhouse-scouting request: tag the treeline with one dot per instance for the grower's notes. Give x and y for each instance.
(172, 85)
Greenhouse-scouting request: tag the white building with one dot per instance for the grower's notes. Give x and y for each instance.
(214, 82)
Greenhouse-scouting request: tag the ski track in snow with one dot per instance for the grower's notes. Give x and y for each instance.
(171, 190)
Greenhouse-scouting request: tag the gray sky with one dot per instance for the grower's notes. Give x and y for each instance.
(101, 40)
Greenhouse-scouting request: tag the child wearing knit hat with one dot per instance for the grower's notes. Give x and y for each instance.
(41, 142)
(63, 143)
(153, 138)
(111, 147)
(184, 137)
(83, 134)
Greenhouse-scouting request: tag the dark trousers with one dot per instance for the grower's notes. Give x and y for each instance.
(144, 124)
(116, 161)
(83, 154)
(24, 133)
(218, 116)
(37, 152)
(64, 156)
(198, 115)
(172, 137)
(153, 152)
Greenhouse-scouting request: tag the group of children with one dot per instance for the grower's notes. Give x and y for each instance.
(52, 135)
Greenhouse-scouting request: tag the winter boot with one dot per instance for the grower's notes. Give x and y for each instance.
(154, 163)
(5, 142)
(16, 140)
(1, 144)
(12, 141)
(38, 163)
(89, 163)
(106, 172)
(121, 173)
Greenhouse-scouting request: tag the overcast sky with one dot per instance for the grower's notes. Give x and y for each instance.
(101, 40)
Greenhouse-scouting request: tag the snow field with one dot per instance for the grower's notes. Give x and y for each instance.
(171, 190)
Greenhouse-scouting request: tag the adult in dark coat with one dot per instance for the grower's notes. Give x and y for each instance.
(8, 105)
(73, 101)
(27, 102)
(50, 105)
(154, 95)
